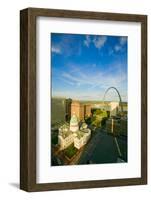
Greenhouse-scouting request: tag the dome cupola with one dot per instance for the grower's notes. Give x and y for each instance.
(74, 124)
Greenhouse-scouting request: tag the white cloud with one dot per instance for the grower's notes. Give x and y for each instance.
(56, 49)
(99, 41)
(122, 42)
(96, 79)
(94, 82)
(117, 47)
(87, 41)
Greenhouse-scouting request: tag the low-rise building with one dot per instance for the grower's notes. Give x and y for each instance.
(65, 137)
(82, 138)
(117, 126)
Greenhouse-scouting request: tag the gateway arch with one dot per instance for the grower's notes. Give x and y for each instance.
(120, 99)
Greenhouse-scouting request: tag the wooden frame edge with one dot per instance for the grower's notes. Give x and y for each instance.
(27, 101)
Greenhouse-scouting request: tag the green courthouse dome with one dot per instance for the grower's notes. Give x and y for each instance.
(74, 119)
(74, 124)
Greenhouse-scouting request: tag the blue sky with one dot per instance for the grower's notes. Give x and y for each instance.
(84, 66)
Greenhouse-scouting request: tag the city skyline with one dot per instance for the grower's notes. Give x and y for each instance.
(84, 66)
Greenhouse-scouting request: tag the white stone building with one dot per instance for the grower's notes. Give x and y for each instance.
(82, 138)
(69, 134)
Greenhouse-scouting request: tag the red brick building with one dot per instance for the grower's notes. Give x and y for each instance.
(81, 110)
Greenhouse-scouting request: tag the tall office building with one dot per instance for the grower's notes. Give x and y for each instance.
(58, 109)
(78, 109)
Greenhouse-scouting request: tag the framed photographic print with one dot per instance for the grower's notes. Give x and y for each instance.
(83, 99)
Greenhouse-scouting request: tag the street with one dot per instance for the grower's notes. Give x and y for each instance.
(102, 148)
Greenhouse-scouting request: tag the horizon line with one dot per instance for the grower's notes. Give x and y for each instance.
(76, 99)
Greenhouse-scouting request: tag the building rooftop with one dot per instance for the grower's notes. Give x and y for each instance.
(80, 134)
(65, 134)
(86, 130)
